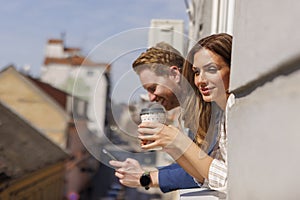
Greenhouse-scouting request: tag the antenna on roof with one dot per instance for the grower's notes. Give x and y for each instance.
(63, 36)
(26, 69)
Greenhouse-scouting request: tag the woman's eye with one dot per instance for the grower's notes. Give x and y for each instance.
(212, 70)
(196, 71)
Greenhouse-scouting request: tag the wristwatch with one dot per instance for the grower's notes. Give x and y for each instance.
(145, 180)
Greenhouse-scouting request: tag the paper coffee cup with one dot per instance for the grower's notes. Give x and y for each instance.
(153, 115)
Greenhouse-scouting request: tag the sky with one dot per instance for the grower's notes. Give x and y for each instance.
(117, 27)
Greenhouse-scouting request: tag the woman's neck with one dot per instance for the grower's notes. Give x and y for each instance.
(221, 104)
(222, 101)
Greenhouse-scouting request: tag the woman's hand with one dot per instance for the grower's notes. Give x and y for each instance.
(154, 135)
(128, 172)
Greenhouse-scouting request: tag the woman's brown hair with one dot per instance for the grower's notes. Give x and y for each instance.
(198, 122)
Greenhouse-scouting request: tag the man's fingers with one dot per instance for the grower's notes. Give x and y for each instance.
(116, 163)
(119, 175)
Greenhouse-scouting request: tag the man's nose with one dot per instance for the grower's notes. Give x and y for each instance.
(152, 96)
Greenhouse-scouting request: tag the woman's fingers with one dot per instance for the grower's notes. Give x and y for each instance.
(154, 135)
(150, 131)
(147, 137)
(151, 145)
(149, 124)
(148, 128)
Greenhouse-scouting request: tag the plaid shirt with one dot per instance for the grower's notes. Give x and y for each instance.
(217, 175)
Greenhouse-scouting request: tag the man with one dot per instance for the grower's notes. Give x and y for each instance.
(159, 70)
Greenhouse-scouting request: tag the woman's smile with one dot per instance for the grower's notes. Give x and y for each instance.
(206, 91)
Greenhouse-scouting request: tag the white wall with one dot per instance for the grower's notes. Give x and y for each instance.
(263, 125)
(210, 17)
(266, 34)
(170, 31)
(86, 82)
(55, 50)
(55, 74)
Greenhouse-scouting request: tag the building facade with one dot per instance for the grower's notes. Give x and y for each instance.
(31, 166)
(265, 71)
(170, 31)
(66, 69)
(82, 164)
(263, 123)
(30, 102)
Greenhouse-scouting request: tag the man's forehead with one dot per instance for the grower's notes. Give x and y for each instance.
(149, 77)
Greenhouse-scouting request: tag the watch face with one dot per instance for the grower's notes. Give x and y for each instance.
(145, 180)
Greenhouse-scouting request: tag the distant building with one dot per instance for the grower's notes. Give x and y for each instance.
(82, 165)
(66, 69)
(169, 31)
(209, 17)
(75, 140)
(31, 166)
(29, 101)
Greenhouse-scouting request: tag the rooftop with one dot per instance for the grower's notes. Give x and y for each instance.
(23, 149)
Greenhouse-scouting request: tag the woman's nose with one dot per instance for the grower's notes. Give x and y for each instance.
(200, 79)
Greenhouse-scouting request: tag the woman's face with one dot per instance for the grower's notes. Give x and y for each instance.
(211, 76)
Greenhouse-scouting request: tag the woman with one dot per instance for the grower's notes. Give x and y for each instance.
(207, 69)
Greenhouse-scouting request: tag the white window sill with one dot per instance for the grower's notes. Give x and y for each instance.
(201, 194)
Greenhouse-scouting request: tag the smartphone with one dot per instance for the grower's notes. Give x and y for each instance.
(109, 154)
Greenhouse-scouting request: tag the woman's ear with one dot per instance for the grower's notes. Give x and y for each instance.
(175, 73)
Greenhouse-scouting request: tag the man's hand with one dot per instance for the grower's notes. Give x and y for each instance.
(128, 172)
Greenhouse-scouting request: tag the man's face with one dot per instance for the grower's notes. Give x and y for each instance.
(161, 89)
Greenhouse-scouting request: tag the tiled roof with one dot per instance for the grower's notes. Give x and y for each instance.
(23, 149)
(71, 49)
(59, 95)
(73, 61)
(55, 41)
